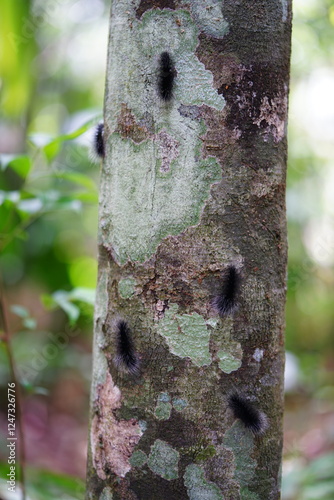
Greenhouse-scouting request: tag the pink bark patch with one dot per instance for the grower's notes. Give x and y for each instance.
(112, 440)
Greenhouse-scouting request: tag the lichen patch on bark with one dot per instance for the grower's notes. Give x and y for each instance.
(228, 362)
(186, 335)
(168, 149)
(241, 442)
(164, 460)
(198, 487)
(155, 180)
(106, 494)
(272, 115)
(112, 440)
(209, 17)
(254, 106)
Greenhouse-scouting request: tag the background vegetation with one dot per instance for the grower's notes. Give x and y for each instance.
(52, 73)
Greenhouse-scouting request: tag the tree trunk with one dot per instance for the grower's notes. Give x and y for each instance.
(187, 396)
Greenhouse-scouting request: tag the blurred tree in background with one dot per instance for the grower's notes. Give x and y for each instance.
(308, 471)
(52, 77)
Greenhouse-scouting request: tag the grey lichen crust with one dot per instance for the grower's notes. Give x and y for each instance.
(209, 16)
(186, 335)
(198, 487)
(156, 179)
(241, 442)
(164, 460)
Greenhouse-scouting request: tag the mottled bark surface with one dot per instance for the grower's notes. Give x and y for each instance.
(188, 188)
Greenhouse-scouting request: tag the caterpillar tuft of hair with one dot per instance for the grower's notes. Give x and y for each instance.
(226, 302)
(166, 76)
(252, 418)
(126, 358)
(99, 140)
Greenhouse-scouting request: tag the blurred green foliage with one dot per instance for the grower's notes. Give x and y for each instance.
(46, 485)
(310, 481)
(18, 49)
(52, 77)
(310, 311)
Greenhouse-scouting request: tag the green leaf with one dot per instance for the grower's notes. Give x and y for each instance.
(45, 485)
(66, 203)
(21, 165)
(87, 197)
(29, 323)
(82, 294)
(54, 200)
(39, 139)
(321, 468)
(5, 160)
(62, 299)
(77, 178)
(30, 206)
(51, 485)
(13, 196)
(53, 147)
(48, 301)
(20, 311)
(324, 490)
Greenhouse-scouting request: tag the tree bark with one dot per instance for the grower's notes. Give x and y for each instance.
(191, 187)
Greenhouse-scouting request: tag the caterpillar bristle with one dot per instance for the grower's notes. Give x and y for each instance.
(226, 302)
(99, 140)
(252, 418)
(166, 76)
(126, 357)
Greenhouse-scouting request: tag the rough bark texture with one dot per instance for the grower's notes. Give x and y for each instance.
(188, 188)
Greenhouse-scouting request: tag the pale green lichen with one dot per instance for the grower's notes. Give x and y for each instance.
(212, 322)
(142, 425)
(164, 460)
(145, 205)
(140, 203)
(230, 352)
(126, 287)
(101, 311)
(228, 363)
(241, 442)
(164, 397)
(138, 459)
(179, 404)
(186, 335)
(245, 494)
(106, 494)
(162, 410)
(198, 487)
(209, 17)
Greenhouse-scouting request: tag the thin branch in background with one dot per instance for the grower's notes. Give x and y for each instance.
(18, 399)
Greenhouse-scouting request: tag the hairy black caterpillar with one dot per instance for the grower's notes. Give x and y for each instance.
(166, 76)
(99, 140)
(252, 418)
(226, 302)
(126, 357)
